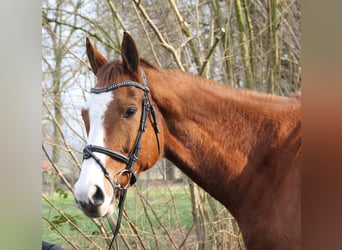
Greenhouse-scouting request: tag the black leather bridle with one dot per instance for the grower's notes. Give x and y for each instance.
(129, 160)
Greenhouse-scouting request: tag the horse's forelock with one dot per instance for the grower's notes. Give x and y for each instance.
(109, 73)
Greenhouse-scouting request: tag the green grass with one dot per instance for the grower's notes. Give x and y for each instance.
(165, 210)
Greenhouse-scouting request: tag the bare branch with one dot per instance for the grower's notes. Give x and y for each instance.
(211, 51)
(70, 221)
(159, 35)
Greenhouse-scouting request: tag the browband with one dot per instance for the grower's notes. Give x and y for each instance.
(123, 84)
(119, 85)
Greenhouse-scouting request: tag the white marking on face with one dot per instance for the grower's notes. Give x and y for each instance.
(91, 173)
(97, 106)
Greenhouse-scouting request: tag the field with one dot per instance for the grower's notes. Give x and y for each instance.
(162, 212)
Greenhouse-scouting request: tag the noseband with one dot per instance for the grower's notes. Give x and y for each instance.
(129, 160)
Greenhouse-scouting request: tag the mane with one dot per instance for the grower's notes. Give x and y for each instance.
(247, 96)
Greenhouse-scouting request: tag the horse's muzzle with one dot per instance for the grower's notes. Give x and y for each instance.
(94, 206)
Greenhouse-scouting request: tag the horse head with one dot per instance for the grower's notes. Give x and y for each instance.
(122, 130)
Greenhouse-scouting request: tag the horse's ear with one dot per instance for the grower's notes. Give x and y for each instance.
(95, 58)
(129, 53)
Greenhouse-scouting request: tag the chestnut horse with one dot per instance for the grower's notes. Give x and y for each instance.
(240, 146)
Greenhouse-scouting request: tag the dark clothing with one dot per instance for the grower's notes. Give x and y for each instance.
(49, 246)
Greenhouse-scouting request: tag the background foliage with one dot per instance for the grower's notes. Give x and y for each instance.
(253, 44)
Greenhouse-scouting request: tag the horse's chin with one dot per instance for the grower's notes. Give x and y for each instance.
(102, 211)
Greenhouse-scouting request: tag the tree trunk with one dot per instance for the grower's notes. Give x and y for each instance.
(244, 45)
(273, 7)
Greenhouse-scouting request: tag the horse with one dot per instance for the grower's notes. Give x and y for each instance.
(241, 146)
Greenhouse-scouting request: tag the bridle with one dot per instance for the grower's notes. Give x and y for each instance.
(89, 150)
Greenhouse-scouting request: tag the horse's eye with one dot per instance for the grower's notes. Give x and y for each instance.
(130, 112)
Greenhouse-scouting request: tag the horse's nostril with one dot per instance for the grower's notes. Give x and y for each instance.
(96, 196)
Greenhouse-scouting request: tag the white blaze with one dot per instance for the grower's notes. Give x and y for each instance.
(91, 173)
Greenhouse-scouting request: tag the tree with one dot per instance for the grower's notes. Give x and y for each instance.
(56, 74)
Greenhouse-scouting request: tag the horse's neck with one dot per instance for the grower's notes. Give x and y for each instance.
(212, 136)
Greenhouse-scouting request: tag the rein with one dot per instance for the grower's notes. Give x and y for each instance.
(129, 160)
